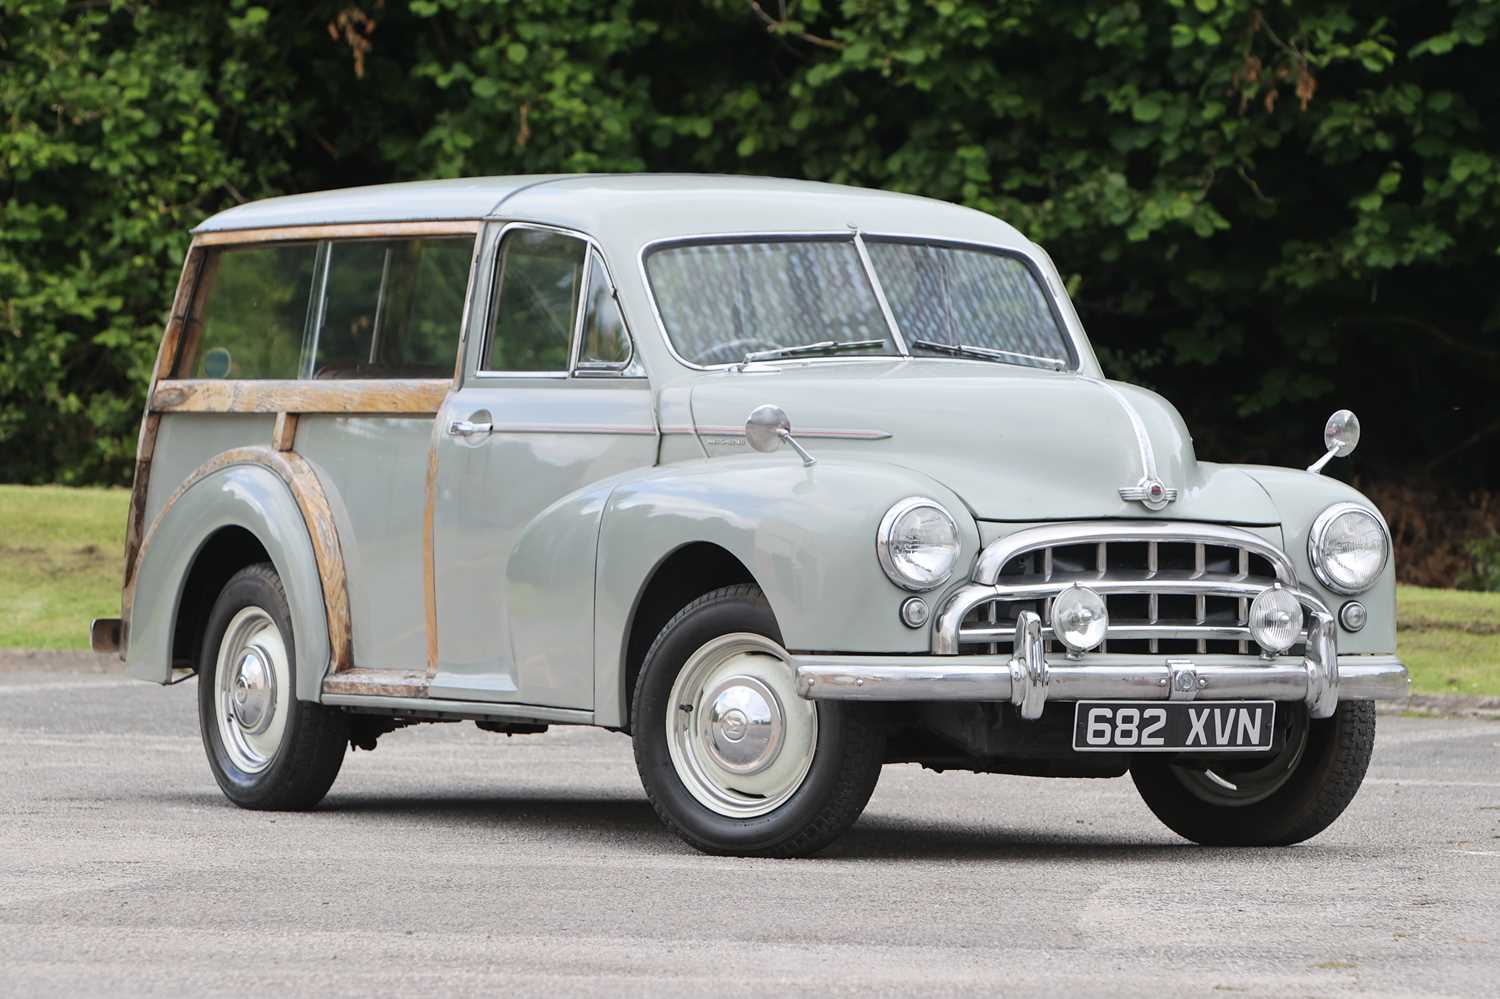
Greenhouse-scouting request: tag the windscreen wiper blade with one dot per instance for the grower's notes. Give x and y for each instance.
(821, 347)
(987, 353)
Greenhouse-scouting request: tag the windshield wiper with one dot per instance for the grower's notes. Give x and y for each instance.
(987, 353)
(821, 347)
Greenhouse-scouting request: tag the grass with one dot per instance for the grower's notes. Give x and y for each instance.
(60, 552)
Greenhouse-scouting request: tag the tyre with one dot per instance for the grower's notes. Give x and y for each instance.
(267, 749)
(1287, 799)
(732, 759)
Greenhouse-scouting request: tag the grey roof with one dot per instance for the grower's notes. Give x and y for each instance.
(622, 208)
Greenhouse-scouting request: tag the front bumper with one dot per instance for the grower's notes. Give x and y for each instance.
(1319, 678)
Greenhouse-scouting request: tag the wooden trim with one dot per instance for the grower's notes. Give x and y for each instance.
(429, 565)
(145, 445)
(351, 230)
(303, 482)
(284, 434)
(377, 682)
(417, 396)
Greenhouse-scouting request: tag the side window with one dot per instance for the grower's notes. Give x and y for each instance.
(392, 308)
(538, 284)
(606, 344)
(250, 311)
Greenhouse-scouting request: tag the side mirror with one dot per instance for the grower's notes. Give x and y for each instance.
(1340, 437)
(767, 427)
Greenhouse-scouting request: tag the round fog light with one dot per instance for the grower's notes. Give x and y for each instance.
(1353, 616)
(1079, 618)
(914, 612)
(1275, 620)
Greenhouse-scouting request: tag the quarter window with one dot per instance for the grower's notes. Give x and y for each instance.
(250, 312)
(605, 343)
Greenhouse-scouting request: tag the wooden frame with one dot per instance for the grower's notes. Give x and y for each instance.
(303, 482)
(288, 400)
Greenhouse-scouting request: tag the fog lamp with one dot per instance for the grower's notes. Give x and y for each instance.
(1275, 620)
(1079, 618)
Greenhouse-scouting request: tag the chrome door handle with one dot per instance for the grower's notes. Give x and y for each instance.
(464, 428)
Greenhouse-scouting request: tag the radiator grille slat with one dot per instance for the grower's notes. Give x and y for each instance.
(1176, 622)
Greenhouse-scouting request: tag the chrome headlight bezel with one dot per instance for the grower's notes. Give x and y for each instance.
(1318, 557)
(890, 562)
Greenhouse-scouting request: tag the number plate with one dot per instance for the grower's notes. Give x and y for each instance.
(1173, 726)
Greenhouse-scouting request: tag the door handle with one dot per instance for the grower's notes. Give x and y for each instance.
(465, 428)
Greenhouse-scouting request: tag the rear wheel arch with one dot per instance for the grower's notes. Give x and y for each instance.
(223, 553)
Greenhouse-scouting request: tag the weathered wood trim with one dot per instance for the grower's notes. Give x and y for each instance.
(303, 482)
(377, 682)
(145, 445)
(429, 564)
(416, 396)
(353, 230)
(284, 433)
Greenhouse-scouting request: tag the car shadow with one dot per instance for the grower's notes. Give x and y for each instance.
(629, 823)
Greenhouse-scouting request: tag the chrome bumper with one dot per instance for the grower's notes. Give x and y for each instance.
(1030, 682)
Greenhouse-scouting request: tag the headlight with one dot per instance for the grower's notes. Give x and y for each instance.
(917, 544)
(1347, 548)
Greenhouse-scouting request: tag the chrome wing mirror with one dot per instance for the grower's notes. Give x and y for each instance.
(768, 427)
(1340, 437)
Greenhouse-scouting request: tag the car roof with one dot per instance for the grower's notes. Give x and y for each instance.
(628, 207)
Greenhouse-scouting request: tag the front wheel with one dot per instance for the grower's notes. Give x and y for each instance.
(267, 749)
(733, 760)
(1277, 801)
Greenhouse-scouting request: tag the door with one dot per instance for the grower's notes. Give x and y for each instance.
(552, 400)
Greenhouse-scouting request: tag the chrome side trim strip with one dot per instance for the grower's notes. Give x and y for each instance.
(826, 434)
(461, 709)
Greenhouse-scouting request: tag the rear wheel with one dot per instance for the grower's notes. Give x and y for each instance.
(733, 760)
(1288, 798)
(267, 749)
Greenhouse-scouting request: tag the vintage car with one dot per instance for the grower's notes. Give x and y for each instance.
(787, 481)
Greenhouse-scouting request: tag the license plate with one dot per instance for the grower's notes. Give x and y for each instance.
(1173, 727)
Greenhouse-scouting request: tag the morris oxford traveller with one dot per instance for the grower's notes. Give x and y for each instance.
(788, 481)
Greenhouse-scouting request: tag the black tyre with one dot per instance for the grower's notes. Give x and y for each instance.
(732, 759)
(1285, 800)
(267, 749)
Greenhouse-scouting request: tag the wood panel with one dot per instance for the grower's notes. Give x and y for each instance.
(377, 682)
(303, 482)
(358, 230)
(284, 433)
(419, 396)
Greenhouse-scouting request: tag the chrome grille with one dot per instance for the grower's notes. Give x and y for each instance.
(1153, 599)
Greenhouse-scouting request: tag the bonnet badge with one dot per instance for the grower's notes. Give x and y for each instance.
(1150, 493)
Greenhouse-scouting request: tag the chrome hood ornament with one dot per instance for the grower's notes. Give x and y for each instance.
(1150, 492)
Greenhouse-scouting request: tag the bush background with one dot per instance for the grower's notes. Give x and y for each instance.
(1265, 210)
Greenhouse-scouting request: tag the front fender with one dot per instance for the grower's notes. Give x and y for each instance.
(807, 535)
(247, 496)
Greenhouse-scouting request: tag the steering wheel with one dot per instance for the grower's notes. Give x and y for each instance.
(733, 351)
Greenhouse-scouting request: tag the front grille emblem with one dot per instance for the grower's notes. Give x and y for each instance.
(1150, 493)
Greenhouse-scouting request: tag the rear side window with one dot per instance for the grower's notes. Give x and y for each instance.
(329, 310)
(250, 311)
(393, 308)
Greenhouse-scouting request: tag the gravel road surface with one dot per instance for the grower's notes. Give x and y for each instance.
(452, 861)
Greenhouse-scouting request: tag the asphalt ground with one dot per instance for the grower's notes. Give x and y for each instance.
(452, 861)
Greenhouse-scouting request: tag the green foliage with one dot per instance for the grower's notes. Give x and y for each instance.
(1486, 573)
(1264, 209)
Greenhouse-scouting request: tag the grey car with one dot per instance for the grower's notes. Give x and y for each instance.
(785, 480)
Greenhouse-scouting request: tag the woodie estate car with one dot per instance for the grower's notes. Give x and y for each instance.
(786, 480)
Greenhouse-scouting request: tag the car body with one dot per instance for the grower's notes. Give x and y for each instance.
(488, 438)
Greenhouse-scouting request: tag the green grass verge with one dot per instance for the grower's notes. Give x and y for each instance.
(60, 552)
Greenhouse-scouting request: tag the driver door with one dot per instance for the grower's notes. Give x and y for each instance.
(551, 400)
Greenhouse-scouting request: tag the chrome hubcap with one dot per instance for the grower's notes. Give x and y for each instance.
(740, 739)
(253, 676)
(745, 725)
(254, 693)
